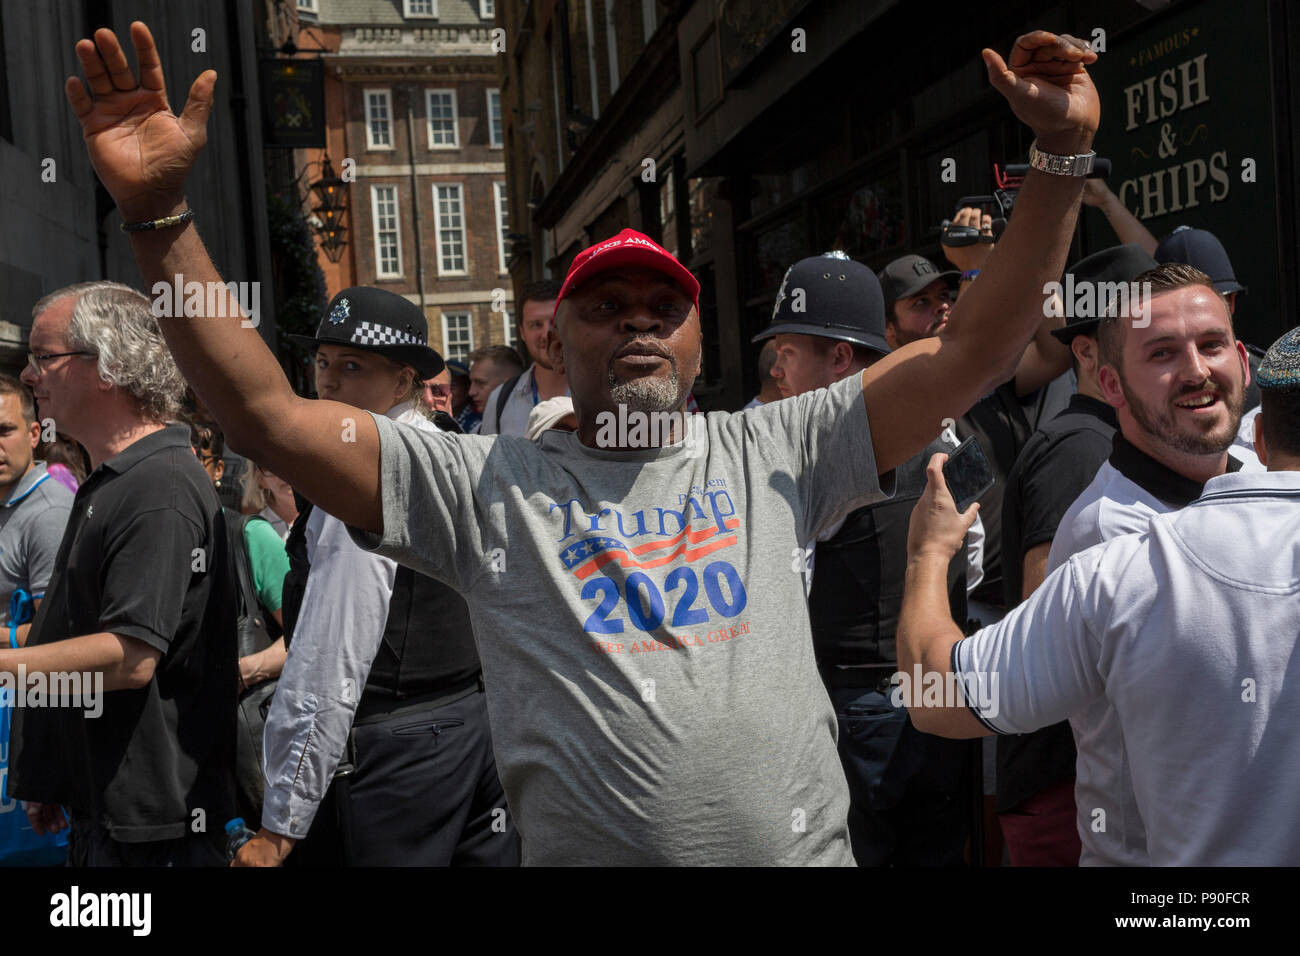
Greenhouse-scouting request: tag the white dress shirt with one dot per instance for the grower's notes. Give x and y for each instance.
(337, 635)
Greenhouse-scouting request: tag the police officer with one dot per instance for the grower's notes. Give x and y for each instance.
(382, 690)
(906, 788)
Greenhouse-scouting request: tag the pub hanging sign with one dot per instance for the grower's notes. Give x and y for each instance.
(293, 103)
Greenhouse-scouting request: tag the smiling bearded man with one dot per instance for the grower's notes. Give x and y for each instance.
(1177, 379)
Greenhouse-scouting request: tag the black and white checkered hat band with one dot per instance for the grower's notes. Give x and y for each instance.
(371, 333)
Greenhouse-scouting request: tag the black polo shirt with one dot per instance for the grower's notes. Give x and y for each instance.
(1058, 463)
(999, 421)
(144, 556)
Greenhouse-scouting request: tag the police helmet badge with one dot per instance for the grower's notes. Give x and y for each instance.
(780, 293)
(340, 312)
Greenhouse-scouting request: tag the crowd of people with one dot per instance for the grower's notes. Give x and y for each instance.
(438, 616)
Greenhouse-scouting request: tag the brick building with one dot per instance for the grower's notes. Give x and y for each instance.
(593, 111)
(412, 101)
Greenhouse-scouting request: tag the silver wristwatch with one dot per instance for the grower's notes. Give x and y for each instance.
(1077, 165)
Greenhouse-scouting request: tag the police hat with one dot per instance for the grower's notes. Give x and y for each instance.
(378, 321)
(832, 296)
(1116, 264)
(1200, 248)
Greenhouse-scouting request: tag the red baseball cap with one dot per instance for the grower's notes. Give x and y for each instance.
(628, 248)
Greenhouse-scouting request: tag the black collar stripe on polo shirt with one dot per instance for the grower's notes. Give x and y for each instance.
(954, 665)
(1152, 476)
(1086, 404)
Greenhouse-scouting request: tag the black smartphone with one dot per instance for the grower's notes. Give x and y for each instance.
(967, 473)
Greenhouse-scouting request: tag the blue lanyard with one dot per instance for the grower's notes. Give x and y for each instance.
(533, 375)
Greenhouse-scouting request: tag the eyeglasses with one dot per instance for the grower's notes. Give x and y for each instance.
(34, 361)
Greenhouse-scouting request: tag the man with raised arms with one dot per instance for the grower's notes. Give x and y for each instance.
(651, 682)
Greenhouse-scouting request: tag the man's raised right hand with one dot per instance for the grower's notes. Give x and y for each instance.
(140, 149)
(1047, 86)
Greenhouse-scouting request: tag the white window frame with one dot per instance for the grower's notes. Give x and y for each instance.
(446, 343)
(388, 108)
(409, 15)
(455, 118)
(437, 229)
(483, 11)
(397, 229)
(499, 206)
(494, 141)
(308, 6)
(511, 333)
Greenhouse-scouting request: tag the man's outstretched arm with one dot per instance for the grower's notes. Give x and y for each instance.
(909, 393)
(142, 153)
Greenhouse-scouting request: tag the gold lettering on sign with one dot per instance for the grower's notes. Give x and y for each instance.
(1179, 88)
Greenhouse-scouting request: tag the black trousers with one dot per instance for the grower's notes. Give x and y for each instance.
(90, 845)
(425, 792)
(908, 790)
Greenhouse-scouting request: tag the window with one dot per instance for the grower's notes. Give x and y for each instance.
(612, 42)
(388, 239)
(494, 118)
(503, 224)
(307, 6)
(442, 119)
(379, 113)
(487, 9)
(449, 227)
(555, 96)
(591, 62)
(512, 334)
(420, 8)
(668, 210)
(648, 18)
(457, 335)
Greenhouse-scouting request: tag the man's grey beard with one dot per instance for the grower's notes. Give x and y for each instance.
(647, 394)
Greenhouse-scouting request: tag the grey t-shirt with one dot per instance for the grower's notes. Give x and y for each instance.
(32, 523)
(643, 628)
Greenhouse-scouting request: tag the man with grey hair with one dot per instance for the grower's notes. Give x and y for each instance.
(141, 602)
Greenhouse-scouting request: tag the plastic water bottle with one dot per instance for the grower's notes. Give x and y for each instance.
(237, 834)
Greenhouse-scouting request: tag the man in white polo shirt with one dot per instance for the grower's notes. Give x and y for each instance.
(1177, 385)
(1187, 631)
